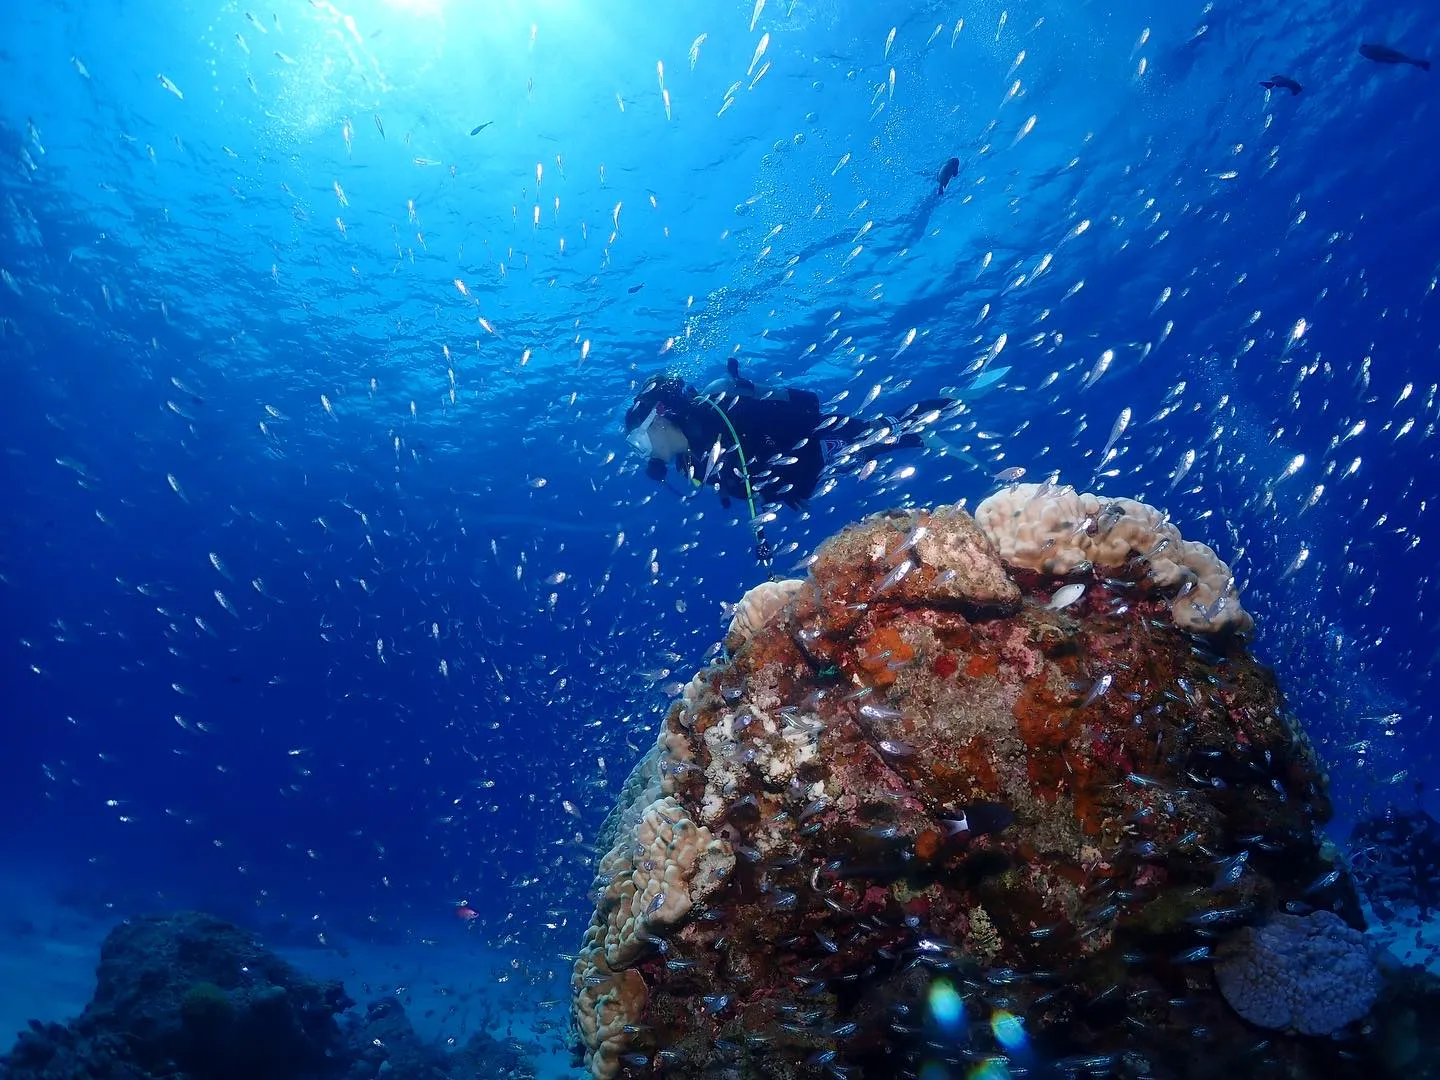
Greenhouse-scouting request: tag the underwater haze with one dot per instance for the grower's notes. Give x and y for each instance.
(335, 602)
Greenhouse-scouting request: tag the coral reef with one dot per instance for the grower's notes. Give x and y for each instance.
(937, 804)
(193, 997)
(197, 995)
(652, 876)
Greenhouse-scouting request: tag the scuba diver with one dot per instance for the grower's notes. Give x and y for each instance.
(766, 445)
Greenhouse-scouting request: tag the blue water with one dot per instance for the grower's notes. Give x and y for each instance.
(377, 376)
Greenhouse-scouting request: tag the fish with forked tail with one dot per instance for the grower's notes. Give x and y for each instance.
(1384, 54)
(1282, 82)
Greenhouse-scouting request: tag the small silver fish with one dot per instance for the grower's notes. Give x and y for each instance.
(815, 807)
(1101, 366)
(1181, 470)
(894, 577)
(1121, 423)
(917, 533)
(879, 712)
(712, 459)
(1323, 882)
(1097, 691)
(1229, 871)
(1064, 596)
(1217, 915)
(1141, 780)
(1194, 956)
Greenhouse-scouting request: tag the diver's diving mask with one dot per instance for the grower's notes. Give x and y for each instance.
(639, 436)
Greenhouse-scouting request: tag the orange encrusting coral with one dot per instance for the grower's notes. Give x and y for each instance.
(966, 770)
(928, 844)
(882, 654)
(980, 666)
(1045, 730)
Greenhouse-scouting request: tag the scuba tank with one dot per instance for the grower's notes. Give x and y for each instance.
(733, 387)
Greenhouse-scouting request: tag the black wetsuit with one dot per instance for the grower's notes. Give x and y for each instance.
(788, 443)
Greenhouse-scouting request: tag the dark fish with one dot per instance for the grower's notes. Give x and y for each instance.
(1283, 82)
(948, 172)
(635, 288)
(1219, 915)
(1384, 54)
(481, 127)
(979, 819)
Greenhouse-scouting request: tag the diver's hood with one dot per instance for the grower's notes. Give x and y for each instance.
(670, 394)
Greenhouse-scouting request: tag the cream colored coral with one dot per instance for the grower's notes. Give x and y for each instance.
(1057, 530)
(675, 756)
(649, 880)
(604, 1007)
(757, 607)
(647, 875)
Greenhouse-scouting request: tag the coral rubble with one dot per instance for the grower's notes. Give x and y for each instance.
(1002, 791)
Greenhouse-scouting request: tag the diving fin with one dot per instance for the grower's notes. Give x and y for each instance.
(984, 382)
(933, 440)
